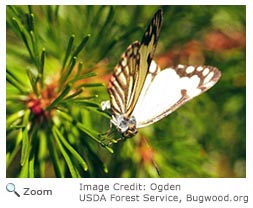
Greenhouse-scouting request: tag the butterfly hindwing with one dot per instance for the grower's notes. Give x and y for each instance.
(171, 88)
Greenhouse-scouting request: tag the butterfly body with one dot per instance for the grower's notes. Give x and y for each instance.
(127, 126)
(141, 93)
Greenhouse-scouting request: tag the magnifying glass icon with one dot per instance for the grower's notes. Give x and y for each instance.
(11, 188)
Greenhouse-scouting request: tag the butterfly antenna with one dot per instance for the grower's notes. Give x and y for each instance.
(156, 166)
(152, 158)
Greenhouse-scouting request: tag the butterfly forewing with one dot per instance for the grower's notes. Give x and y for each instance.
(146, 51)
(130, 74)
(170, 89)
(122, 83)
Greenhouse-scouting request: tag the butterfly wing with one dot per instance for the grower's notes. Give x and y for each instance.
(129, 75)
(165, 91)
(122, 84)
(147, 49)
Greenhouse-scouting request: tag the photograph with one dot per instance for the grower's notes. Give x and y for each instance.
(113, 91)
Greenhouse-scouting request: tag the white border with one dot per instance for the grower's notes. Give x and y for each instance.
(67, 189)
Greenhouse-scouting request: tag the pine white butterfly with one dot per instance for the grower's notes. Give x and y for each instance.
(141, 93)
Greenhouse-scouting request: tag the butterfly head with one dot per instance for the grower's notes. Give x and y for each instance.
(127, 126)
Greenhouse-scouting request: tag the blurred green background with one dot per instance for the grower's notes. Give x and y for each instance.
(59, 60)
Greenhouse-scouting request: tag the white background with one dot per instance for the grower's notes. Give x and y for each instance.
(66, 191)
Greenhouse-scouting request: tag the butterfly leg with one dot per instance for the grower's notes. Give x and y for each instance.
(107, 137)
